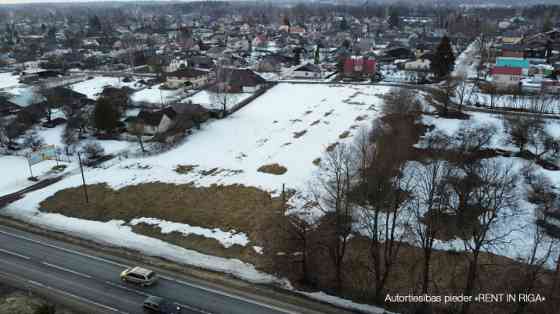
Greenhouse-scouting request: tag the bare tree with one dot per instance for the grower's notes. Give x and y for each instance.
(222, 96)
(522, 130)
(431, 201)
(463, 90)
(484, 200)
(331, 194)
(401, 101)
(382, 196)
(137, 129)
(302, 229)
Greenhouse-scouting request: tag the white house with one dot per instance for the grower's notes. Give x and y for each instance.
(154, 122)
(308, 70)
(188, 76)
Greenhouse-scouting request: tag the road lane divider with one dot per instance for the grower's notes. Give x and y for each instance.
(15, 254)
(116, 285)
(229, 295)
(66, 270)
(62, 249)
(62, 292)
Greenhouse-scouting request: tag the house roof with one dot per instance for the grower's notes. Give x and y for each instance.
(153, 118)
(506, 71)
(242, 77)
(512, 62)
(309, 67)
(187, 73)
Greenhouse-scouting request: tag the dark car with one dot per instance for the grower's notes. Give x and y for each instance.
(154, 304)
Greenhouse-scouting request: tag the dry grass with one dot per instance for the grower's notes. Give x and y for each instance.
(245, 209)
(273, 169)
(344, 135)
(184, 169)
(299, 134)
(362, 117)
(331, 147)
(317, 161)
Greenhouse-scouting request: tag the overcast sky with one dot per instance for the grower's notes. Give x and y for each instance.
(47, 1)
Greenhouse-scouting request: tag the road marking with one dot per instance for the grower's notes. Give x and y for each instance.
(66, 269)
(116, 285)
(15, 254)
(231, 296)
(42, 285)
(63, 249)
(222, 293)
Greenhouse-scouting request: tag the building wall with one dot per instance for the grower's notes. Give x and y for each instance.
(505, 80)
(306, 74)
(164, 124)
(513, 54)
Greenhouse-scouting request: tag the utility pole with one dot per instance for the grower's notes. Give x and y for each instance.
(83, 178)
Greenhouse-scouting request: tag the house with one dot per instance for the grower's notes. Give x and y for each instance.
(517, 63)
(187, 77)
(359, 67)
(7, 107)
(506, 77)
(154, 122)
(308, 70)
(418, 65)
(62, 96)
(240, 80)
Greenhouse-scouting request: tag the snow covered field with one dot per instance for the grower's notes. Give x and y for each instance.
(291, 124)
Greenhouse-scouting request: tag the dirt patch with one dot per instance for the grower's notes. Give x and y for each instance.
(362, 117)
(299, 134)
(184, 169)
(317, 161)
(331, 147)
(273, 169)
(220, 171)
(344, 135)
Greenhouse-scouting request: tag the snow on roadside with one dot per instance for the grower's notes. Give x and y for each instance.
(226, 238)
(344, 303)
(116, 233)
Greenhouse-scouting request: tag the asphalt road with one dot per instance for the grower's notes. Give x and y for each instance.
(52, 265)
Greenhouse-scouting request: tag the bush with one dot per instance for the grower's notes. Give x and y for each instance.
(93, 151)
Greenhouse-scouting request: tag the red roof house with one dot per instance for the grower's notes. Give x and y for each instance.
(357, 66)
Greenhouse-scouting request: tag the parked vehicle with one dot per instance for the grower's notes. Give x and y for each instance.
(139, 275)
